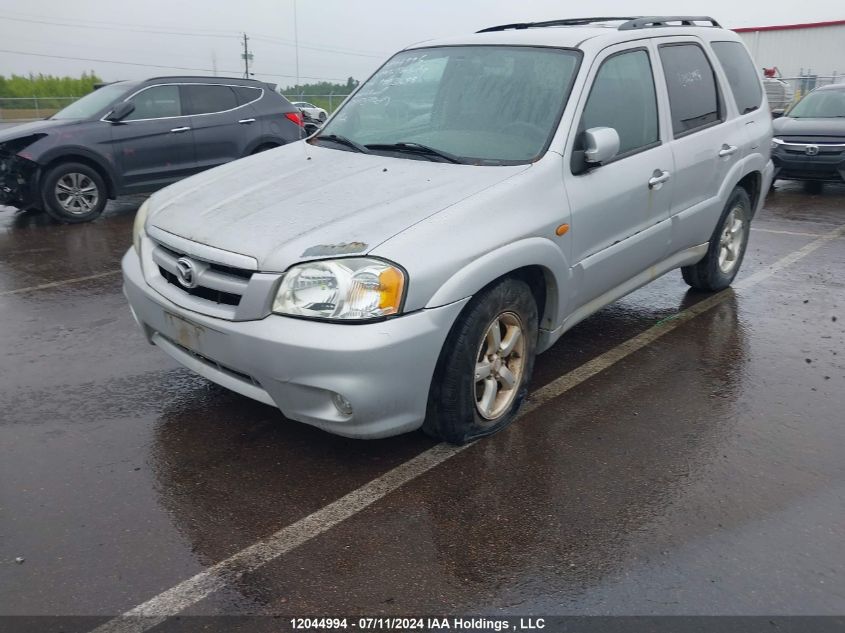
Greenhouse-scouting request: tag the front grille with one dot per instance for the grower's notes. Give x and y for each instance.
(209, 294)
(216, 283)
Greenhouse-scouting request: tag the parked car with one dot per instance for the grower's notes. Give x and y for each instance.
(809, 140)
(318, 114)
(388, 274)
(137, 136)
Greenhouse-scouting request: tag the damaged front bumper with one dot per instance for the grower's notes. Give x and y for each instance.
(17, 181)
(18, 174)
(18, 178)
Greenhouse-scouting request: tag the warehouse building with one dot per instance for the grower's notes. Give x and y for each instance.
(816, 49)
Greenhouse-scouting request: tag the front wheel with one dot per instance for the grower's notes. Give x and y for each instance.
(726, 249)
(483, 371)
(73, 192)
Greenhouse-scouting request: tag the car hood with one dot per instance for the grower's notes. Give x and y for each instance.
(787, 126)
(28, 129)
(302, 201)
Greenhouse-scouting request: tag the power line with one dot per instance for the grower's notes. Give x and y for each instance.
(130, 30)
(184, 33)
(113, 61)
(87, 22)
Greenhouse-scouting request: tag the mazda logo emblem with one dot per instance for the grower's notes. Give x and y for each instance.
(186, 272)
(811, 150)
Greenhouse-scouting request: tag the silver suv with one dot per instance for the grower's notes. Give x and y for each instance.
(469, 203)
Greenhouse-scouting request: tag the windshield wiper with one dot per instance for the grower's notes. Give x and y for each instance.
(342, 140)
(417, 148)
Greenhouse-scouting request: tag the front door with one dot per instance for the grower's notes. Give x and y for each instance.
(155, 143)
(620, 209)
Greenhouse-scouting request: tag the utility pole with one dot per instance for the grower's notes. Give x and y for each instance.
(247, 57)
(296, 41)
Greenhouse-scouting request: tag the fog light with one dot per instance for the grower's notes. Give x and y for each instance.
(342, 404)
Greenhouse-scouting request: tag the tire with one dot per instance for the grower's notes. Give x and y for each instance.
(73, 193)
(456, 400)
(727, 247)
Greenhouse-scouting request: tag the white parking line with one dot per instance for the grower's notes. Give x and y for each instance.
(782, 232)
(56, 284)
(172, 601)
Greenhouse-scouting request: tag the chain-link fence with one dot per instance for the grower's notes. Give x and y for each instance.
(31, 108)
(782, 92)
(329, 102)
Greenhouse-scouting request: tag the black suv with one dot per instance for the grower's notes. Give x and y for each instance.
(138, 136)
(809, 140)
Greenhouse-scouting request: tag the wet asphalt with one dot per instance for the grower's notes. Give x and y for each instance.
(702, 474)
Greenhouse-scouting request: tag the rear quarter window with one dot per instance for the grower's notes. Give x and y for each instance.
(246, 94)
(741, 74)
(691, 83)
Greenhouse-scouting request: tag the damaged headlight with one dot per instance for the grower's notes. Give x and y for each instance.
(138, 226)
(355, 288)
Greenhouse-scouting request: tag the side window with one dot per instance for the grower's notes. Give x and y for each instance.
(205, 99)
(156, 103)
(623, 97)
(247, 95)
(693, 95)
(742, 76)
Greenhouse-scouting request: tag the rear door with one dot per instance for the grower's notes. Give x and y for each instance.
(706, 138)
(155, 144)
(221, 126)
(620, 209)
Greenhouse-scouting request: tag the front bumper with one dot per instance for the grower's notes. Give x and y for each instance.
(17, 181)
(793, 163)
(383, 369)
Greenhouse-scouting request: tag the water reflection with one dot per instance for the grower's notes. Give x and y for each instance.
(539, 513)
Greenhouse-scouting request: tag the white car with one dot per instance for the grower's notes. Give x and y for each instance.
(318, 114)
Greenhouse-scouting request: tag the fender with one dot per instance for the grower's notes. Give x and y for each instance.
(68, 152)
(533, 251)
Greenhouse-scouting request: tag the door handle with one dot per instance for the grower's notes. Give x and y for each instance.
(727, 150)
(247, 121)
(177, 130)
(658, 178)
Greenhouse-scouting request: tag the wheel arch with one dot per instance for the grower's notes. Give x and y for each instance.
(752, 182)
(96, 164)
(537, 261)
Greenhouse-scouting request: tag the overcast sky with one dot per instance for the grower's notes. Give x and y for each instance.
(338, 38)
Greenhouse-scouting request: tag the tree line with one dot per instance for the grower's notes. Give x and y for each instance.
(47, 85)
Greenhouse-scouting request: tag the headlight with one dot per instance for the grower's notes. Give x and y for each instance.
(138, 226)
(349, 289)
(776, 142)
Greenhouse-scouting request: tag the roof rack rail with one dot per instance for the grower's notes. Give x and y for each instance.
(628, 23)
(564, 22)
(662, 20)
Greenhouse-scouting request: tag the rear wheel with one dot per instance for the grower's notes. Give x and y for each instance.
(485, 365)
(73, 192)
(727, 246)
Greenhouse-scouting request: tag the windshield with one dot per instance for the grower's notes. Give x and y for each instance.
(92, 103)
(486, 104)
(824, 104)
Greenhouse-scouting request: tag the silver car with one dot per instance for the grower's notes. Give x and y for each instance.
(466, 206)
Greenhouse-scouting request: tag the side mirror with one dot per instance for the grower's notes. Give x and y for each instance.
(600, 145)
(121, 111)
